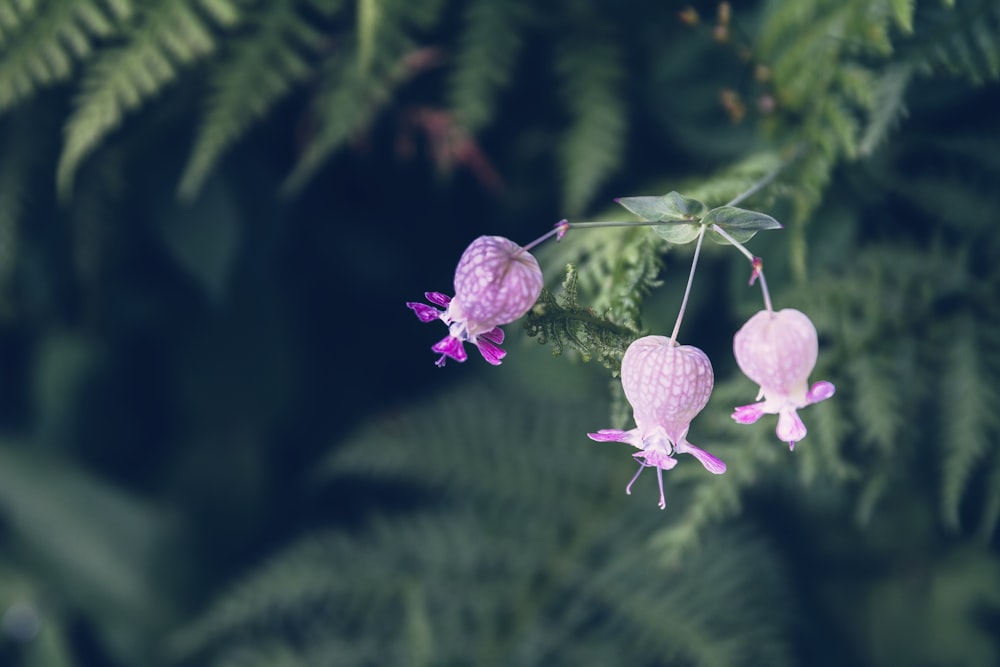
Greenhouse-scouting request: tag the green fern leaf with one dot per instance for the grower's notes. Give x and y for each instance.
(970, 424)
(963, 42)
(485, 55)
(353, 95)
(902, 13)
(591, 73)
(170, 35)
(990, 516)
(259, 69)
(13, 15)
(560, 322)
(49, 45)
(888, 106)
(576, 584)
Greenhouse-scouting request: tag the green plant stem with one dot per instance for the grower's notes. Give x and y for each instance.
(756, 262)
(687, 289)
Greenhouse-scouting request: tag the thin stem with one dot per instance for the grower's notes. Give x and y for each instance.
(547, 235)
(687, 289)
(756, 262)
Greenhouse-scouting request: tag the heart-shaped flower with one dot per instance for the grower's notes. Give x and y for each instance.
(778, 351)
(667, 385)
(496, 282)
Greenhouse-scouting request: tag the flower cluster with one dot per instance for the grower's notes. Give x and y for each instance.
(666, 384)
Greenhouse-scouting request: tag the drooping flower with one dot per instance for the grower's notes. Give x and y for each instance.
(496, 282)
(667, 385)
(778, 351)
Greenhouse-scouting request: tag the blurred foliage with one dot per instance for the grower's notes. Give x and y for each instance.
(224, 441)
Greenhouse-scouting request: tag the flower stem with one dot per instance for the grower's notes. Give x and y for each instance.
(687, 289)
(756, 262)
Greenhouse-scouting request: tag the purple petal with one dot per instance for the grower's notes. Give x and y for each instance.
(658, 459)
(450, 347)
(609, 435)
(494, 335)
(820, 392)
(438, 299)
(712, 463)
(790, 427)
(424, 312)
(748, 414)
(490, 352)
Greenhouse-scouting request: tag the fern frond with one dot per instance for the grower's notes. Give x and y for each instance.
(171, 34)
(353, 95)
(734, 179)
(990, 515)
(888, 106)
(876, 400)
(489, 578)
(258, 70)
(591, 74)
(51, 44)
(971, 425)
(560, 322)
(484, 59)
(902, 14)
(962, 42)
(13, 15)
(615, 269)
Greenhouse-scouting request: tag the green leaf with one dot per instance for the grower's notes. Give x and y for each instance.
(902, 13)
(739, 223)
(678, 232)
(672, 206)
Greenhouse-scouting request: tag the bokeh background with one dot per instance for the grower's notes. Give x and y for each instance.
(223, 440)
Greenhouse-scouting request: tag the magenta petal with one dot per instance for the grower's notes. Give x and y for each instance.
(609, 435)
(656, 459)
(438, 299)
(820, 392)
(450, 347)
(712, 463)
(790, 427)
(494, 335)
(490, 352)
(748, 414)
(424, 312)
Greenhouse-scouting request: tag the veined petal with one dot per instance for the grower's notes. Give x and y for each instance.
(450, 347)
(491, 353)
(748, 414)
(438, 299)
(820, 392)
(424, 312)
(614, 435)
(494, 335)
(656, 459)
(790, 427)
(712, 464)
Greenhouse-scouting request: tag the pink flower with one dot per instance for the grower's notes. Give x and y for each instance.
(778, 350)
(496, 282)
(667, 385)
